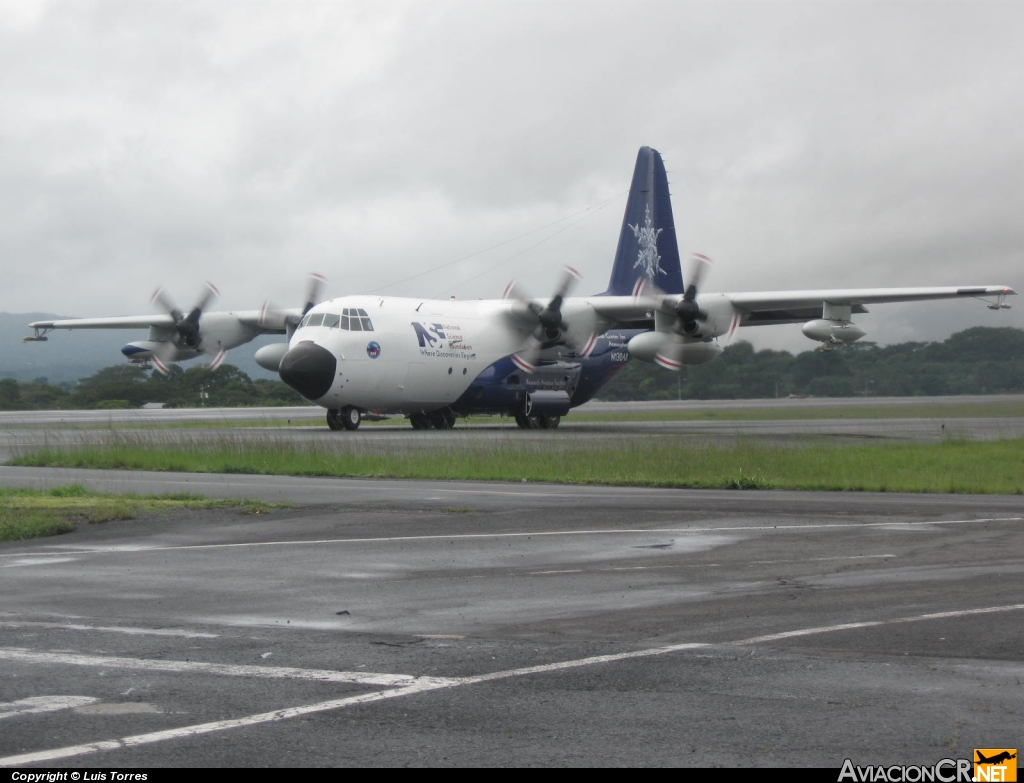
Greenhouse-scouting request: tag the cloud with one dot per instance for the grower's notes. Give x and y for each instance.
(809, 145)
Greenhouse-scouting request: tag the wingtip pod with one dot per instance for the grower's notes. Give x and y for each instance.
(648, 247)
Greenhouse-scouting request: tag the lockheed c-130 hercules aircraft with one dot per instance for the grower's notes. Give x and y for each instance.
(435, 360)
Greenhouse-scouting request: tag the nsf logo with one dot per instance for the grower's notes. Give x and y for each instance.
(373, 349)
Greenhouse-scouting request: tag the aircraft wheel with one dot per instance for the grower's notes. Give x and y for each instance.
(443, 419)
(527, 422)
(549, 422)
(420, 421)
(350, 417)
(333, 420)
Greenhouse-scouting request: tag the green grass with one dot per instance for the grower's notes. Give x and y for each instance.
(32, 513)
(667, 461)
(815, 412)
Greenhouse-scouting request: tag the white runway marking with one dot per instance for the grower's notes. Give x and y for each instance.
(541, 534)
(432, 684)
(198, 667)
(109, 628)
(775, 637)
(36, 704)
(34, 561)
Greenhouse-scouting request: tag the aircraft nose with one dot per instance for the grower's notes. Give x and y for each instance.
(309, 369)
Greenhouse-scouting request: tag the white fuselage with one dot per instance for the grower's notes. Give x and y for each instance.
(420, 354)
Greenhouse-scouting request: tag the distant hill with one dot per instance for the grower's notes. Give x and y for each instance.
(70, 355)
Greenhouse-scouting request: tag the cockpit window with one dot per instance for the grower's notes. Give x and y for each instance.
(352, 320)
(356, 320)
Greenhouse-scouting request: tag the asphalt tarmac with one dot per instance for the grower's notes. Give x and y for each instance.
(388, 623)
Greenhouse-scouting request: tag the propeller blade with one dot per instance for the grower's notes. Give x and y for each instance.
(587, 346)
(314, 291)
(186, 325)
(569, 277)
(162, 368)
(686, 308)
(163, 357)
(701, 264)
(671, 354)
(548, 318)
(647, 294)
(551, 316)
(205, 298)
(164, 302)
(526, 358)
(271, 317)
(217, 360)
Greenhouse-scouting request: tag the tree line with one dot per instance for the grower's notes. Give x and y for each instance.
(981, 360)
(130, 386)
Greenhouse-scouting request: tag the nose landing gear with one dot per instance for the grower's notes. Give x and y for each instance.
(348, 418)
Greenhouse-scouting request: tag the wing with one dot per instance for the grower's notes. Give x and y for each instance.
(253, 319)
(780, 307)
(117, 322)
(786, 307)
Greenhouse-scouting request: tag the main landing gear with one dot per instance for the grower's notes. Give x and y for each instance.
(537, 421)
(347, 418)
(443, 419)
(529, 418)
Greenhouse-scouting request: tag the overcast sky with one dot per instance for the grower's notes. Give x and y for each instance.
(809, 144)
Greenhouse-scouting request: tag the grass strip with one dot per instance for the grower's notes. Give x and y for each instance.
(987, 410)
(952, 466)
(33, 513)
(814, 411)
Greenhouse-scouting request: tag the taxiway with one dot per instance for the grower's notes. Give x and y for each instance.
(387, 623)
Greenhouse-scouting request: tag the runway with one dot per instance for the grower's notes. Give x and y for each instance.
(314, 414)
(387, 623)
(21, 431)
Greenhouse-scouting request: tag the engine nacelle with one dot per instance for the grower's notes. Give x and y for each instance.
(825, 330)
(140, 351)
(647, 345)
(269, 356)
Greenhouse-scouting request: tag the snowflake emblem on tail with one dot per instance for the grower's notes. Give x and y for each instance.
(647, 237)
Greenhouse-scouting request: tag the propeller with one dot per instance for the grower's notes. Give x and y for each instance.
(187, 327)
(688, 314)
(550, 324)
(686, 309)
(275, 318)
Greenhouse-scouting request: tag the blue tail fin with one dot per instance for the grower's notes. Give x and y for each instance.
(647, 242)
